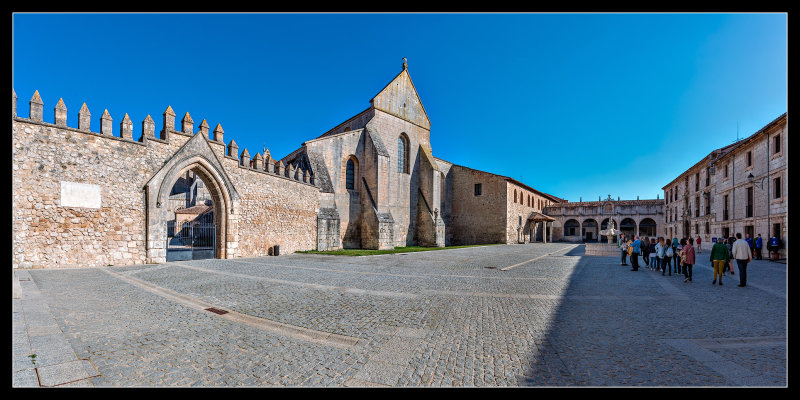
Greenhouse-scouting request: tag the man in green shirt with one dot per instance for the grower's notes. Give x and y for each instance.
(719, 257)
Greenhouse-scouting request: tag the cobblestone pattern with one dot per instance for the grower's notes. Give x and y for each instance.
(427, 319)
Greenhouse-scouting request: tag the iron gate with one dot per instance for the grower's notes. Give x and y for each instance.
(193, 241)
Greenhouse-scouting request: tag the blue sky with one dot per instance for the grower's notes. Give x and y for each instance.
(575, 105)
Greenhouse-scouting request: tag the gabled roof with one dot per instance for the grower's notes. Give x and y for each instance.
(381, 102)
(537, 216)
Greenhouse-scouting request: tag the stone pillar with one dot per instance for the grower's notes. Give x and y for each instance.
(61, 113)
(148, 128)
(257, 162)
(269, 163)
(544, 231)
(233, 149)
(126, 128)
(187, 125)
(105, 123)
(204, 128)
(219, 134)
(280, 168)
(84, 118)
(36, 107)
(245, 158)
(169, 123)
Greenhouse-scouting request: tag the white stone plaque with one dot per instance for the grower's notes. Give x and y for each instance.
(74, 194)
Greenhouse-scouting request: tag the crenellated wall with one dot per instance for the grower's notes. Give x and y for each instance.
(80, 197)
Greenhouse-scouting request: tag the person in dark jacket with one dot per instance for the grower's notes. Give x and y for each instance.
(758, 244)
(719, 257)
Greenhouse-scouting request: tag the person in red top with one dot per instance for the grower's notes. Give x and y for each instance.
(687, 254)
(698, 245)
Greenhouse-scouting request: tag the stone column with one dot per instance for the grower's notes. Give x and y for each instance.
(544, 231)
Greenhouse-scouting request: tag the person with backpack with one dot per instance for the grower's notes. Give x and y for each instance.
(718, 258)
(668, 255)
(687, 259)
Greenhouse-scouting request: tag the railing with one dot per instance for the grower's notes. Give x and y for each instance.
(195, 235)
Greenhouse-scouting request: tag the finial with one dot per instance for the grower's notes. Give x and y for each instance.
(405, 63)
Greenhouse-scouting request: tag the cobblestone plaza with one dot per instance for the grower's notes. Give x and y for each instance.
(505, 315)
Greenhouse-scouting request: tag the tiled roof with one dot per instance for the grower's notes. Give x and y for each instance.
(537, 216)
(198, 209)
(614, 202)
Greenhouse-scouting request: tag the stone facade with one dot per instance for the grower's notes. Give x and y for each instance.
(739, 188)
(582, 221)
(87, 198)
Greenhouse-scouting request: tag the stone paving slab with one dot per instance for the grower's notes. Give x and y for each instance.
(442, 318)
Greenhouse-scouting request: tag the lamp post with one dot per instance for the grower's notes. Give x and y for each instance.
(751, 179)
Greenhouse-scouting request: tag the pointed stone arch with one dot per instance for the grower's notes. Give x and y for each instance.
(195, 155)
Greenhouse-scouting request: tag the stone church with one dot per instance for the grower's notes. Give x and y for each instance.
(83, 197)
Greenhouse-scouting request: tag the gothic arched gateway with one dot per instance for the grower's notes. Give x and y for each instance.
(196, 156)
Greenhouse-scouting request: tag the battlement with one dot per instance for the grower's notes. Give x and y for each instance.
(264, 164)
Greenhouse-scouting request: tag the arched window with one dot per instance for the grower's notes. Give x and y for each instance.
(572, 228)
(350, 175)
(402, 153)
(515, 195)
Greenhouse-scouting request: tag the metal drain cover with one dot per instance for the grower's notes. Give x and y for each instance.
(216, 310)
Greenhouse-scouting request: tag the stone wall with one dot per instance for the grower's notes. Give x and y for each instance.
(476, 219)
(78, 196)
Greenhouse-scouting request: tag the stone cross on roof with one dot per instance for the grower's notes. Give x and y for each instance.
(405, 63)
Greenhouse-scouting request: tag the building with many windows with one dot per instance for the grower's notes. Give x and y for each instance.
(739, 188)
(582, 221)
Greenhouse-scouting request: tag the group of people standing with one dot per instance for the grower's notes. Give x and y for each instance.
(665, 255)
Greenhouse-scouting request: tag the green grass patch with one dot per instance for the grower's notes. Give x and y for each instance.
(364, 252)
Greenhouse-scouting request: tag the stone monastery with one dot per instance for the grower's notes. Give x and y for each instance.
(83, 196)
